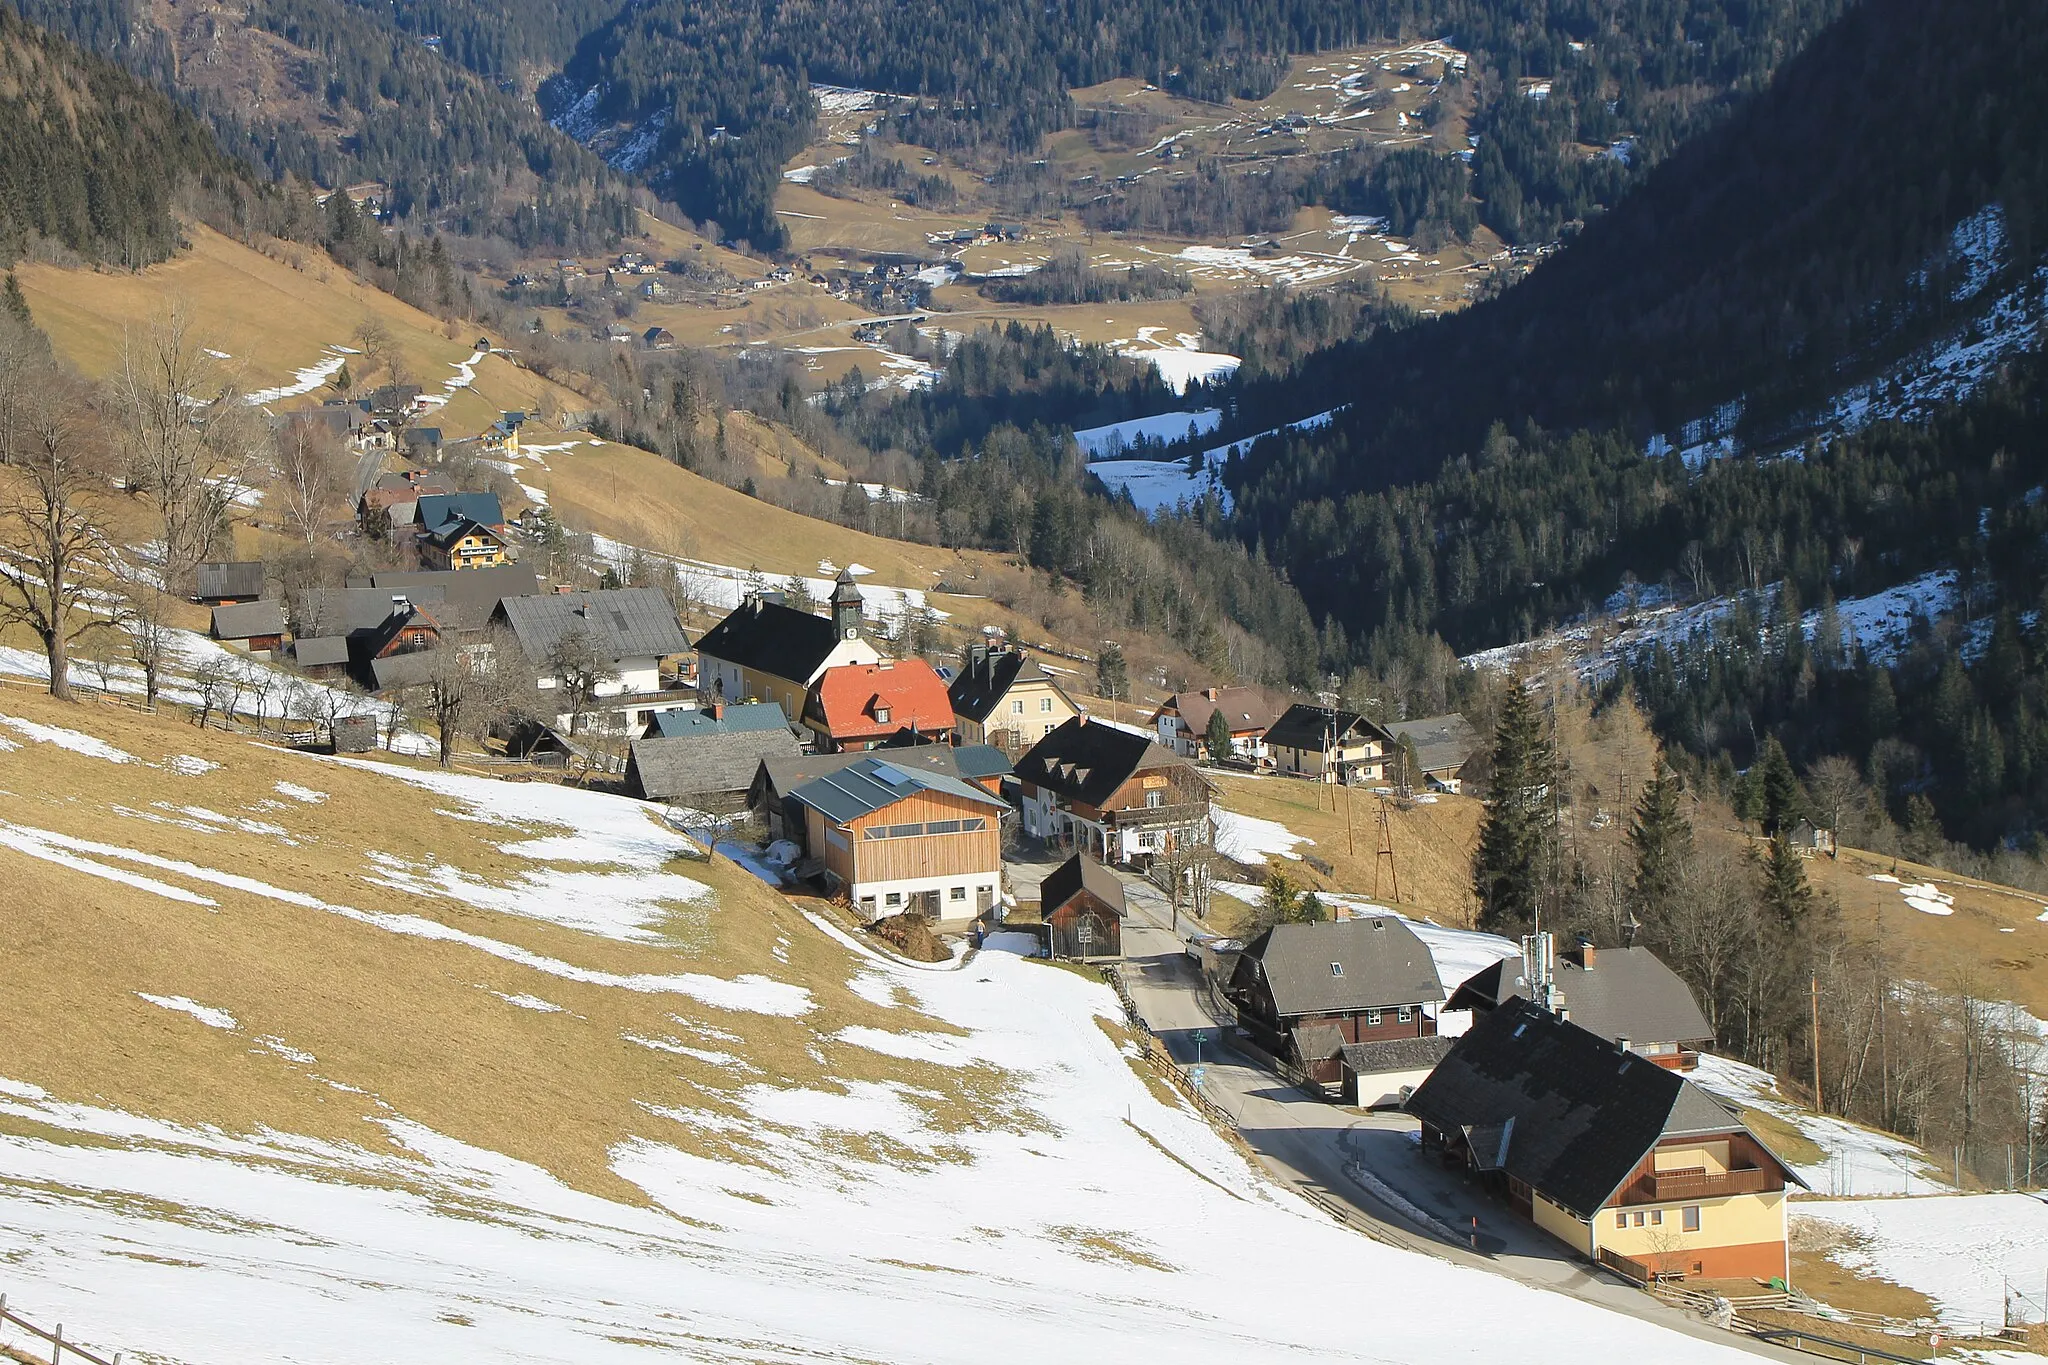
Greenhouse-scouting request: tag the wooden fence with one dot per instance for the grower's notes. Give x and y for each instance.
(60, 1349)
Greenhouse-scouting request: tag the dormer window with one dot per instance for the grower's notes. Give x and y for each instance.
(881, 715)
(1336, 969)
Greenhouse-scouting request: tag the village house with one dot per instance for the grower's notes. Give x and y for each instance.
(222, 582)
(1110, 791)
(769, 796)
(421, 443)
(257, 627)
(462, 602)
(1351, 1003)
(325, 657)
(396, 652)
(1183, 720)
(435, 510)
(1328, 744)
(1625, 1162)
(706, 758)
(460, 543)
(502, 436)
(1624, 996)
(408, 486)
(1443, 747)
(1809, 840)
(633, 630)
(765, 651)
(1002, 696)
(658, 339)
(898, 839)
(865, 706)
(1082, 904)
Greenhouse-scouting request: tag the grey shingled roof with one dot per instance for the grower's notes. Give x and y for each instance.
(1396, 1054)
(466, 597)
(1628, 993)
(622, 622)
(245, 620)
(239, 578)
(1442, 743)
(1244, 708)
(716, 763)
(321, 651)
(414, 669)
(770, 638)
(1383, 965)
(874, 783)
(983, 682)
(1560, 1108)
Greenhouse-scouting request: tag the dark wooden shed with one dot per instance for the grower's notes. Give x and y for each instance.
(1083, 906)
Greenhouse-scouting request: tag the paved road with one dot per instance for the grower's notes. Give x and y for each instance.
(1306, 1142)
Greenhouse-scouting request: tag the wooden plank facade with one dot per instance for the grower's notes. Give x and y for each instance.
(931, 850)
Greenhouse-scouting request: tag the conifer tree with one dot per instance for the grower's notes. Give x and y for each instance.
(1661, 839)
(1785, 895)
(1507, 870)
(1779, 800)
(1217, 737)
(15, 303)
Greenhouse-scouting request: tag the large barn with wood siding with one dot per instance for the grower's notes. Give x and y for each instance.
(897, 839)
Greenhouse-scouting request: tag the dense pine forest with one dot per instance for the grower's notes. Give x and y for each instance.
(1794, 249)
(92, 162)
(728, 81)
(450, 127)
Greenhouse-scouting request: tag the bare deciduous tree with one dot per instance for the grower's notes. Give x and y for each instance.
(310, 479)
(579, 669)
(469, 686)
(51, 529)
(191, 437)
(149, 636)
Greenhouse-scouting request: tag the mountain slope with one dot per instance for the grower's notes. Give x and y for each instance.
(320, 1060)
(1802, 246)
(92, 160)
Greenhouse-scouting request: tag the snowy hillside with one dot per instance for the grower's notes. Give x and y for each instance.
(1859, 1160)
(1967, 1252)
(411, 1066)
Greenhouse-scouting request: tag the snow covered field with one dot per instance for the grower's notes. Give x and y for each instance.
(1179, 362)
(1964, 1251)
(1860, 1161)
(1158, 485)
(1112, 439)
(271, 1248)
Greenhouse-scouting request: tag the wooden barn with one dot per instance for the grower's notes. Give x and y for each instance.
(1083, 905)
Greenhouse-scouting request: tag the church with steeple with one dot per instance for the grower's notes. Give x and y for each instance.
(769, 651)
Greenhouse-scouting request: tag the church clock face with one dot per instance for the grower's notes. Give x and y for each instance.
(853, 632)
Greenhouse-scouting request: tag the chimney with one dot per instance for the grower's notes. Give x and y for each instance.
(1621, 1043)
(718, 707)
(1586, 951)
(400, 604)
(1212, 693)
(1081, 719)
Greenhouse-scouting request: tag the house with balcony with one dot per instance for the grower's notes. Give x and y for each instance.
(1351, 1004)
(1183, 721)
(1329, 745)
(1626, 996)
(1625, 1162)
(1111, 791)
(900, 840)
(1002, 696)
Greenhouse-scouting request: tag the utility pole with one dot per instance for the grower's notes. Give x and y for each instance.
(1818, 1103)
(1385, 852)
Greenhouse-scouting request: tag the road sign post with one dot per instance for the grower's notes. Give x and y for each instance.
(1200, 1038)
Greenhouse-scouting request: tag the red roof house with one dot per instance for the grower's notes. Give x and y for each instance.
(864, 706)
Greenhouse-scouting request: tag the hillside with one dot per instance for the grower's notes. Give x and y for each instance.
(1690, 314)
(430, 1064)
(94, 162)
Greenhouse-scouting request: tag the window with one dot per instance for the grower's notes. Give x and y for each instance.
(893, 898)
(1407, 1014)
(881, 715)
(905, 831)
(1016, 706)
(1154, 800)
(867, 902)
(942, 827)
(1620, 1218)
(1050, 727)
(958, 893)
(1691, 1221)
(1045, 704)
(1639, 1218)
(973, 825)
(1656, 1218)
(1372, 1018)
(875, 832)
(1336, 969)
